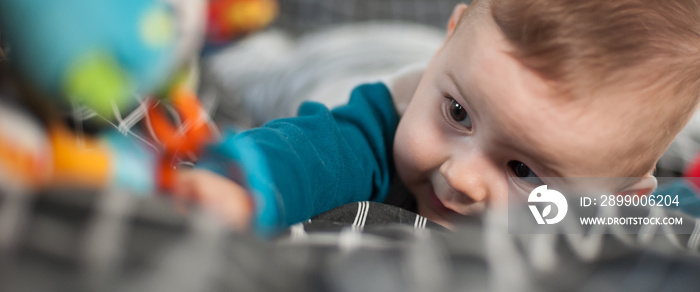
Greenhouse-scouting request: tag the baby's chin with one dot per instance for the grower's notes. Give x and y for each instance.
(431, 207)
(433, 216)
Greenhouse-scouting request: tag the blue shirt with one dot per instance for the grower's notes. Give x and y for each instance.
(324, 158)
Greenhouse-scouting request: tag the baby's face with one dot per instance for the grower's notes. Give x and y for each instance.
(479, 121)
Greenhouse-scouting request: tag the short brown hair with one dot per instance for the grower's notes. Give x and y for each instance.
(570, 40)
(584, 45)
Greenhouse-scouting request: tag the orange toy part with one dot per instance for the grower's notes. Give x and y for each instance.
(194, 130)
(26, 167)
(75, 163)
(194, 117)
(192, 134)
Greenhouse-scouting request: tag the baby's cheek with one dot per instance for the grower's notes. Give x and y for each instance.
(416, 152)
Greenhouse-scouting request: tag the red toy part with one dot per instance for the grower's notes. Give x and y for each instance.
(166, 174)
(692, 173)
(229, 19)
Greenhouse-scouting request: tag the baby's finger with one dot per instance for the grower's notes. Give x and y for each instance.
(217, 194)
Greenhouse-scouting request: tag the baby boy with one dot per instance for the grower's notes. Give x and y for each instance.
(520, 89)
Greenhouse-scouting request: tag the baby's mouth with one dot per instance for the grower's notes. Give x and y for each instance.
(439, 206)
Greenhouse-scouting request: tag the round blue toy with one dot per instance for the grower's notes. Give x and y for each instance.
(98, 53)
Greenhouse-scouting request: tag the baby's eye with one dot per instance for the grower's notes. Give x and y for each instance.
(460, 115)
(523, 171)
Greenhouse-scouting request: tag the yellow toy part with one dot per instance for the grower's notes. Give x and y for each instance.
(82, 162)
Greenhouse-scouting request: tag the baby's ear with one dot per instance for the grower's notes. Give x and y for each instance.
(644, 186)
(454, 19)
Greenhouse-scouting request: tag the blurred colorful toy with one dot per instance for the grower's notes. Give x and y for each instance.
(692, 173)
(35, 157)
(230, 19)
(97, 53)
(102, 54)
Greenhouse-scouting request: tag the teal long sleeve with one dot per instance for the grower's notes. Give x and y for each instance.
(324, 158)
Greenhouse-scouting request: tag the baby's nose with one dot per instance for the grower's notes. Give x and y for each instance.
(477, 179)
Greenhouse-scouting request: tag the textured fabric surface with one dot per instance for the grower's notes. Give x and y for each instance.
(361, 214)
(87, 241)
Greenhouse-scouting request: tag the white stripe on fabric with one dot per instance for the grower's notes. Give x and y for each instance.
(361, 215)
(420, 222)
(357, 215)
(364, 216)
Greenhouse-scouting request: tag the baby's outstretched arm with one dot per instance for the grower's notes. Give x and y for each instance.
(217, 194)
(314, 162)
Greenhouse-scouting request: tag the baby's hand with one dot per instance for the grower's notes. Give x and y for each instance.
(217, 194)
